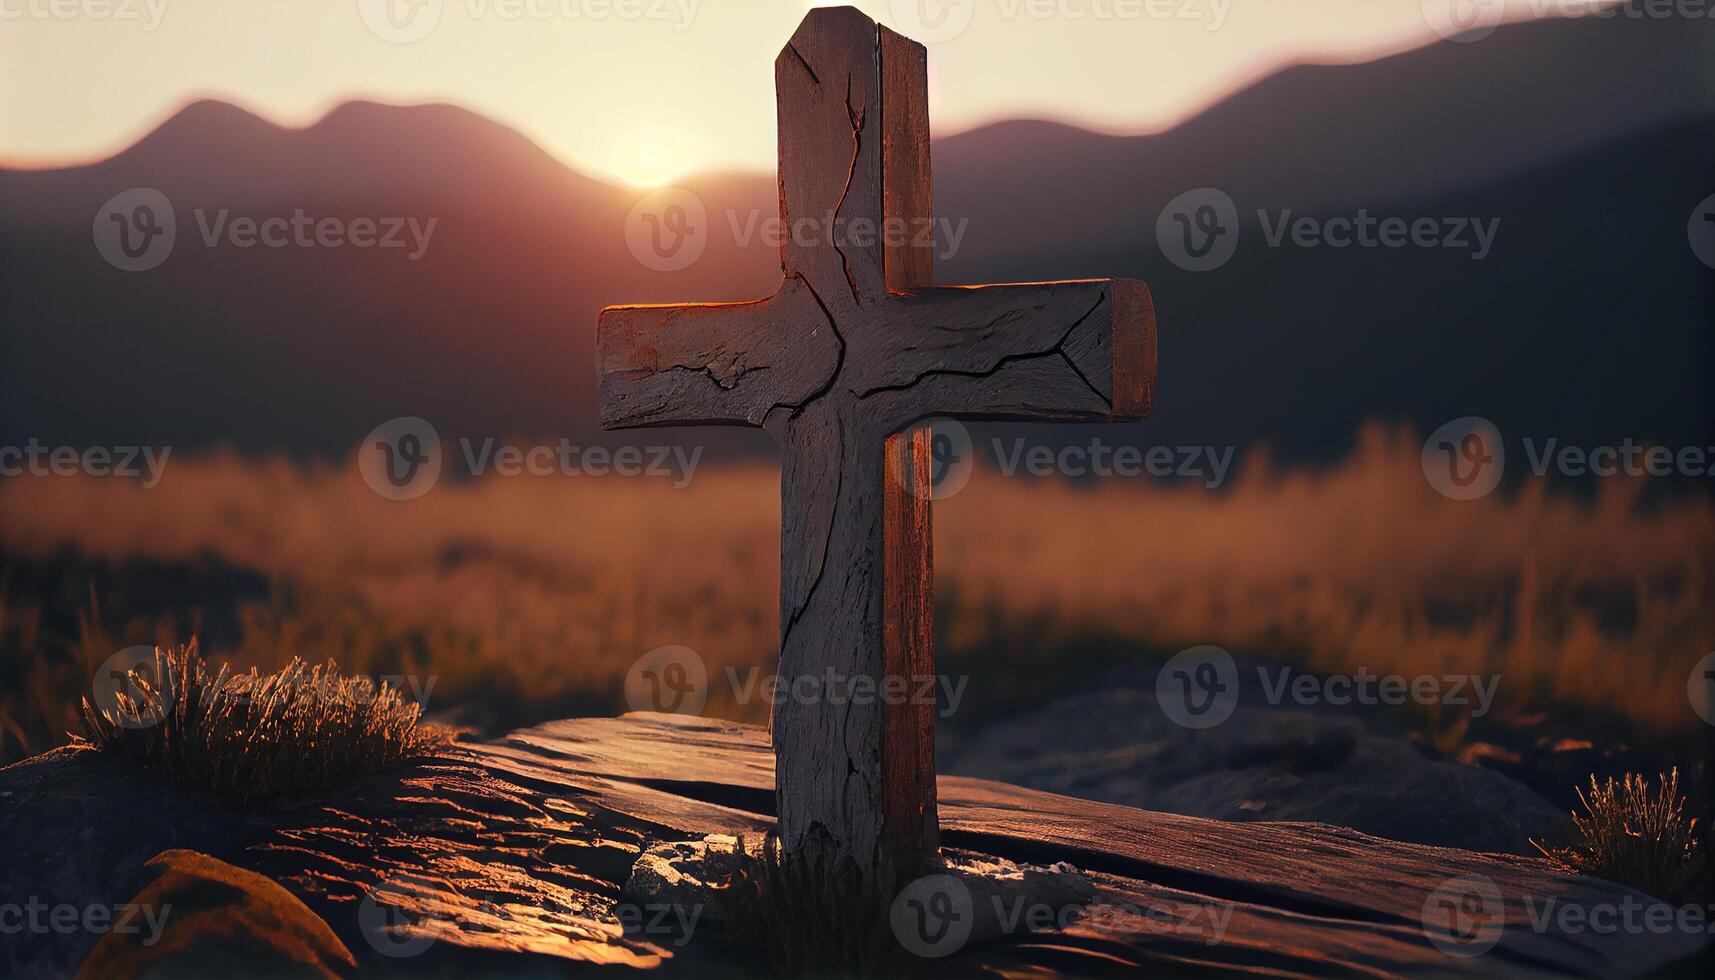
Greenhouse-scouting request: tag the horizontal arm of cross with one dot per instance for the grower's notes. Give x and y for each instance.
(1078, 350)
(715, 363)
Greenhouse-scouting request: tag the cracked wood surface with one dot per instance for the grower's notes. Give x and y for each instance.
(1256, 898)
(508, 859)
(857, 347)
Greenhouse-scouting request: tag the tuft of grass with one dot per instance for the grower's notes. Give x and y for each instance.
(811, 917)
(255, 737)
(1638, 836)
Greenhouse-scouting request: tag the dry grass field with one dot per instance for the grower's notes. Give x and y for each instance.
(519, 599)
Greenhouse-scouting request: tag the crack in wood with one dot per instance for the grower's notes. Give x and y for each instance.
(855, 117)
(801, 60)
(827, 548)
(798, 408)
(730, 384)
(1058, 350)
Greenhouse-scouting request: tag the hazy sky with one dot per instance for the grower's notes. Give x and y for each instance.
(647, 89)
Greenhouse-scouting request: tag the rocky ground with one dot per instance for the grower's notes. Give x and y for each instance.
(517, 857)
(1353, 767)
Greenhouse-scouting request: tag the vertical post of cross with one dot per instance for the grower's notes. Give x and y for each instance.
(854, 163)
(909, 584)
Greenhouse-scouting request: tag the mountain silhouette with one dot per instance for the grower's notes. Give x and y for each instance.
(1589, 141)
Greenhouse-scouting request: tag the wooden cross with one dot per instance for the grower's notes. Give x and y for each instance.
(840, 365)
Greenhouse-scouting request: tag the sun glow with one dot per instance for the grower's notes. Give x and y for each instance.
(654, 156)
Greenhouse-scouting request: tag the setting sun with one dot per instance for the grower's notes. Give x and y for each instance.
(653, 156)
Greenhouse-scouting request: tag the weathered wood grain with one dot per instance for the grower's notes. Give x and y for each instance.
(857, 347)
(510, 857)
(715, 364)
(1303, 899)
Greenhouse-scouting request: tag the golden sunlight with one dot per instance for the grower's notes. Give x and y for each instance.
(653, 156)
